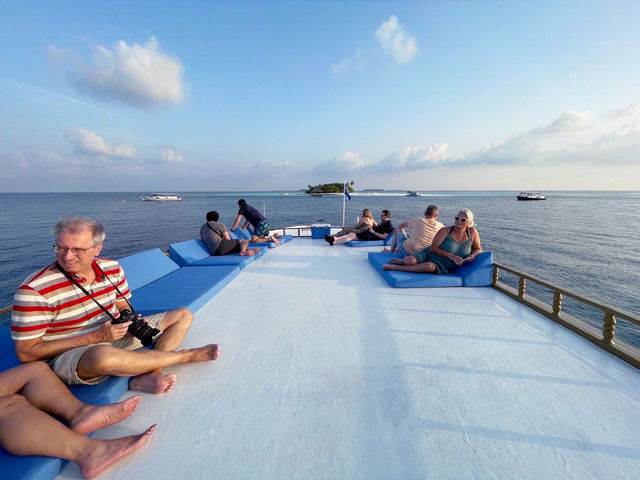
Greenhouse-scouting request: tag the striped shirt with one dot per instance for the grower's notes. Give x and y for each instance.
(50, 306)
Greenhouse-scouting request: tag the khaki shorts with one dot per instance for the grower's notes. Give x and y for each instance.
(66, 364)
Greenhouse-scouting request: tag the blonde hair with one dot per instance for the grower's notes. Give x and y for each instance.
(367, 213)
(469, 214)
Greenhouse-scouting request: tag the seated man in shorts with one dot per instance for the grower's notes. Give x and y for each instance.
(423, 229)
(260, 224)
(65, 313)
(215, 236)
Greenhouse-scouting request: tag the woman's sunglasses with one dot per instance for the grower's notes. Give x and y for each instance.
(461, 219)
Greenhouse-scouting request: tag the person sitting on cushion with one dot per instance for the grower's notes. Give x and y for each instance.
(40, 416)
(451, 247)
(215, 236)
(379, 232)
(253, 217)
(364, 224)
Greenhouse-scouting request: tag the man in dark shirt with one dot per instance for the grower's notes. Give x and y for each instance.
(254, 218)
(215, 236)
(379, 232)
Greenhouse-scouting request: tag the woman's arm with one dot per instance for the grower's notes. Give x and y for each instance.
(476, 248)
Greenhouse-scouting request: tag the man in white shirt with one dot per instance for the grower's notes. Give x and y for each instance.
(423, 229)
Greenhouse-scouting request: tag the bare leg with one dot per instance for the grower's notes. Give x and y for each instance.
(144, 364)
(243, 246)
(345, 238)
(273, 239)
(408, 260)
(427, 267)
(250, 252)
(37, 383)
(23, 426)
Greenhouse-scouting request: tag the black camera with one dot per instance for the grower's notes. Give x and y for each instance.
(138, 328)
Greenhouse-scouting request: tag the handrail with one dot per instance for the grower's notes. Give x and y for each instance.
(604, 338)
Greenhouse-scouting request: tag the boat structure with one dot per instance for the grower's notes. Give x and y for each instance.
(331, 367)
(411, 193)
(162, 197)
(531, 196)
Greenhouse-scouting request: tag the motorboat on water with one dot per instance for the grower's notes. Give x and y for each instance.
(162, 197)
(326, 371)
(531, 196)
(411, 193)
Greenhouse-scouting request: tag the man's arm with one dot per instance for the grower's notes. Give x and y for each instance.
(38, 349)
(237, 221)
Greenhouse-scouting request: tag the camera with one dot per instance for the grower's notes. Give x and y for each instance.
(138, 328)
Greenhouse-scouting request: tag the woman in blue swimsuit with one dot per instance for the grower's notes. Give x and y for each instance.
(451, 247)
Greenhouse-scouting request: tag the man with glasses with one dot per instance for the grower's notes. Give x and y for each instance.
(65, 314)
(422, 229)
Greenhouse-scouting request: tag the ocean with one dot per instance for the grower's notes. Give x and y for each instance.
(584, 241)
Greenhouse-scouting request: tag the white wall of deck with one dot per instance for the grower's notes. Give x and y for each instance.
(328, 373)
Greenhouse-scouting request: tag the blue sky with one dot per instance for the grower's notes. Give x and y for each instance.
(144, 96)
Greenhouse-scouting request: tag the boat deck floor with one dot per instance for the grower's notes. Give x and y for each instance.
(328, 373)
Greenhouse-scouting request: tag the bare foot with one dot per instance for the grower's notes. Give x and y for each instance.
(386, 250)
(106, 452)
(203, 354)
(275, 240)
(255, 251)
(93, 417)
(152, 382)
(246, 253)
(396, 261)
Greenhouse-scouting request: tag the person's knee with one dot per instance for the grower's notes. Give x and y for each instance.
(99, 359)
(11, 402)
(410, 260)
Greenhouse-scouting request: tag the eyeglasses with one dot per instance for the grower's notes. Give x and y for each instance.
(461, 219)
(76, 251)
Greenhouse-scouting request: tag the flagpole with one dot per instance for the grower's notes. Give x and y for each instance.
(344, 202)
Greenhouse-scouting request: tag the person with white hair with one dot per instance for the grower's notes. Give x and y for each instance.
(451, 247)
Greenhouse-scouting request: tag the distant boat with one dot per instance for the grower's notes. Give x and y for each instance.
(531, 196)
(411, 193)
(161, 197)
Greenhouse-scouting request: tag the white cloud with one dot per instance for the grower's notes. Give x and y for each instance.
(346, 64)
(87, 142)
(396, 41)
(143, 76)
(346, 163)
(171, 156)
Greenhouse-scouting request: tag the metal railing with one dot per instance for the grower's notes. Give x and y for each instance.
(604, 338)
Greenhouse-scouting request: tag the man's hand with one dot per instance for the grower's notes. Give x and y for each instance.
(108, 332)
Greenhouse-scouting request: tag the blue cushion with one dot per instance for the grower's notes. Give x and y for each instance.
(242, 234)
(408, 279)
(29, 468)
(8, 357)
(189, 287)
(371, 243)
(192, 253)
(145, 267)
(478, 273)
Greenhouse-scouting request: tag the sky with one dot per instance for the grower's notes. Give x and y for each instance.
(235, 95)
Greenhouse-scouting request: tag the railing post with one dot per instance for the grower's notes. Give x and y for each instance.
(557, 303)
(496, 274)
(609, 328)
(522, 287)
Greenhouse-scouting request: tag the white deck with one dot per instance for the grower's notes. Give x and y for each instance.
(328, 373)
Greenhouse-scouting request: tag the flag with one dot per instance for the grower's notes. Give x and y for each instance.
(347, 194)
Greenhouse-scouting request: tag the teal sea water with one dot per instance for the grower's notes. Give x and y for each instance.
(584, 241)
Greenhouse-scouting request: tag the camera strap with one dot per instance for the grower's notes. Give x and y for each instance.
(84, 290)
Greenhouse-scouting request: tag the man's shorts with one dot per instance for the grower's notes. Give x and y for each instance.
(262, 229)
(66, 364)
(400, 239)
(225, 247)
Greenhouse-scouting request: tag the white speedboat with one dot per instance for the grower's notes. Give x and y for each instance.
(161, 197)
(411, 193)
(531, 196)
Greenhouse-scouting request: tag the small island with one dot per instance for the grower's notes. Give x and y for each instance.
(318, 190)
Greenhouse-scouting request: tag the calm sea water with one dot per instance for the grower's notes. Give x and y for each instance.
(584, 241)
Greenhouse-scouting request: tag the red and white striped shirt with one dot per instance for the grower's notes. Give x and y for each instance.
(50, 306)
